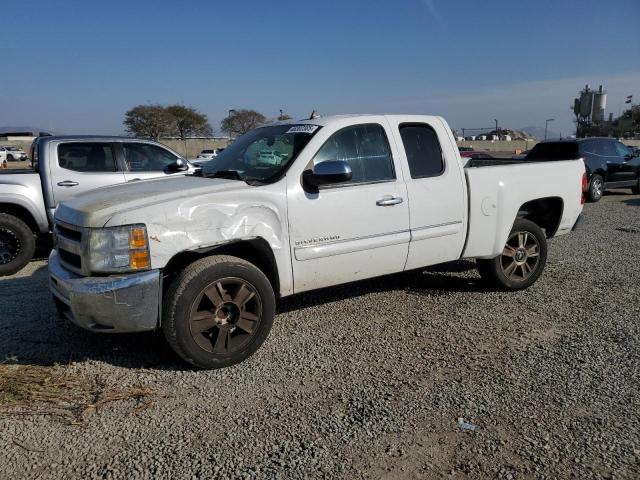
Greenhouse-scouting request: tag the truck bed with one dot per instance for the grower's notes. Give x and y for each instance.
(496, 195)
(9, 171)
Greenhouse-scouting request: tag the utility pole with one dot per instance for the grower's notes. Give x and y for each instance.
(497, 131)
(546, 126)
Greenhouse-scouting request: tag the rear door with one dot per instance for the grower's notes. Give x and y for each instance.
(79, 167)
(353, 230)
(143, 161)
(436, 190)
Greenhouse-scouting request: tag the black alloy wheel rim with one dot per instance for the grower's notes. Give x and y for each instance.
(9, 246)
(520, 256)
(225, 316)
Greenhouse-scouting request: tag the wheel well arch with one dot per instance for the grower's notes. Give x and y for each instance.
(599, 171)
(544, 212)
(254, 250)
(22, 213)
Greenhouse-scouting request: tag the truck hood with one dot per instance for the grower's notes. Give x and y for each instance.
(95, 208)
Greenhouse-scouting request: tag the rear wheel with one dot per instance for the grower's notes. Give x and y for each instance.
(596, 188)
(636, 188)
(17, 244)
(9, 158)
(522, 260)
(218, 311)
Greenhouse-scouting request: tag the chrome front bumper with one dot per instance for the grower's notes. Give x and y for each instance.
(113, 304)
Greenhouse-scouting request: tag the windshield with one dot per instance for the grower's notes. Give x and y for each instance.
(263, 154)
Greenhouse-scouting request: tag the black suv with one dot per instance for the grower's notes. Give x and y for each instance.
(609, 163)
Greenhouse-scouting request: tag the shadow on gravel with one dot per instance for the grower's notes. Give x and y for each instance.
(34, 335)
(632, 201)
(431, 281)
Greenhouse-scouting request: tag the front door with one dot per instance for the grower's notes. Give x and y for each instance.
(144, 161)
(82, 166)
(357, 229)
(626, 162)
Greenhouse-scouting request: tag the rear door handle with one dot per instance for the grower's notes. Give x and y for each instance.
(389, 200)
(68, 183)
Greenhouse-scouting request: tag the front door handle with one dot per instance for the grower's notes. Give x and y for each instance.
(68, 183)
(389, 200)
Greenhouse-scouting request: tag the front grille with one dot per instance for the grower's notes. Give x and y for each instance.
(70, 245)
(66, 232)
(70, 258)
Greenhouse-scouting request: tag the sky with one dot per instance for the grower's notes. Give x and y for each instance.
(78, 66)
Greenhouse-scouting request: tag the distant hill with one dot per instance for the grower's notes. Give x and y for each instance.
(22, 129)
(538, 132)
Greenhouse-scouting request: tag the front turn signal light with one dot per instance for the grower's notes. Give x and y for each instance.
(139, 260)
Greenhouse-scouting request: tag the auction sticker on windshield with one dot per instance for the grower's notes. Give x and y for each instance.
(302, 129)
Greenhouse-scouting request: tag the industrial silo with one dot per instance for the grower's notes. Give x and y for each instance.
(599, 105)
(586, 102)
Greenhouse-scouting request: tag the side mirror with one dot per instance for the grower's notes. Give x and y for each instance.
(180, 165)
(325, 173)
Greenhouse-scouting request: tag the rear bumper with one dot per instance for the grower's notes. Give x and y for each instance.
(113, 304)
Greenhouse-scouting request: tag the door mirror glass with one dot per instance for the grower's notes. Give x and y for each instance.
(328, 172)
(179, 165)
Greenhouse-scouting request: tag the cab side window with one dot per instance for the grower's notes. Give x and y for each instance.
(144, 157)
(424, 154)
(365, 148)
(87, 157)
(605, 148)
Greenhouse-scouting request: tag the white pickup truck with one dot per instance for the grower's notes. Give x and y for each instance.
(204, 257)
(64, 166)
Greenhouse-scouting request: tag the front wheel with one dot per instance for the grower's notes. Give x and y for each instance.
(17, 244)
(218, 311)
(522, 260)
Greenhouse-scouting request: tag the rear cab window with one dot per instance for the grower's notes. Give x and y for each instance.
(423, 150)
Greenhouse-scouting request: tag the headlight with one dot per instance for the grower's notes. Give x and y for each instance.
(119, 249)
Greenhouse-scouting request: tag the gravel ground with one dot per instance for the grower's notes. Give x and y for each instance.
(367, 380)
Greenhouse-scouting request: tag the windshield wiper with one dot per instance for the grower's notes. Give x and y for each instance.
(234, 175)
(230, 174)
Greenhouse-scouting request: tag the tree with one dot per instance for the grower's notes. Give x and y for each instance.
(240, 122)
(149, 121)
(189, 122)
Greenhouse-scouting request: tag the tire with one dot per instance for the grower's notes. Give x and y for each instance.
(229, 301)
(526, 247)
(636, 190)
(17, 244)
(9, 158)
(596, 188)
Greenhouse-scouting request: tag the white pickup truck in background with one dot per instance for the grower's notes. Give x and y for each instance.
(344, 198)
(64, 166)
